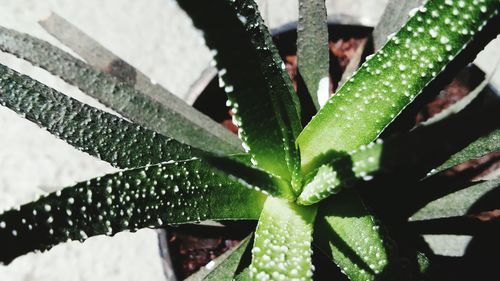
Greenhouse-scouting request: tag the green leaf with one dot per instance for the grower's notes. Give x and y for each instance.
(95, 132)
(331, 177)
(410, 156)
(164, 116)
(457, 203)
(244, 275)
(388, 81)
(476, 149)
(224, 267)
(313, 55)
(282, 247)
(253, 76)
(238, 168)
(104, 60)
(351, 237)
(152, 196)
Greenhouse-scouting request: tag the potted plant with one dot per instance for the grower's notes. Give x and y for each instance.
(306, 186)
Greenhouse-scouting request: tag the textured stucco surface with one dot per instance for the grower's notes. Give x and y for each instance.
(152, 35)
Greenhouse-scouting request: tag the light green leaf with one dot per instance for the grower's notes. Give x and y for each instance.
(165, 117)
(253, 76)
(410, 156)
(224, 267)
(313, 55)
(388, 81)
(244, 275)
(152, 196)
(457, 203)
(351, 237)
(100, 134)
(282, 247)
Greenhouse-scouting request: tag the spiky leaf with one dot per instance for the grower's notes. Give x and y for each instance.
(394, 76)
(104, 60)
(164, 117)
(282, 247)
(457, 203)
(476, 149)
(152, 196)
(253, 76)
(349, 234)
(100, 134)
(468, 134)
(313, 55)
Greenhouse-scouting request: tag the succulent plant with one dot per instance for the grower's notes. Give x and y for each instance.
(331, 186)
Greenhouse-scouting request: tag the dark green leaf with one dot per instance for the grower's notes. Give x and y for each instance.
(152, 196)
(476, 149)
(224, 267)
(282, 247)
(164, 117)
(103, 60)
(457, 203)
(351, 237)
(388, 81)
(253, 76)
(237, 167)
(100, 134)
(313, 55)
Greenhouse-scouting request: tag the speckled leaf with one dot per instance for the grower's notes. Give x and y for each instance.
(164, 116)
(388, 81)
(351, 237)
(104, 60)
(409, 156)
(100, 134)
(252, 74)
(478, 148)
(224, 267)
(152, 196)
(237, 166)
(313, 55)
(282, 247)
(457, 203)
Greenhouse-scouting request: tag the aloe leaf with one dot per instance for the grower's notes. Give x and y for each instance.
(104, 60)
(267, 183)
(413, 155)
(163, 117)
(95, 132)
(282, 246)
(388, 81)
(457, 203)
(252, 74)
(478, 148)
(312, 50)
(224, 267)
(151, 196)
(348, 233)
(244, 275)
